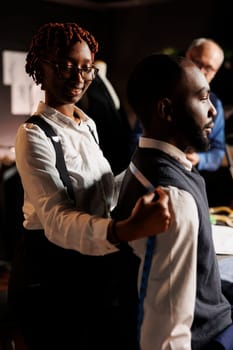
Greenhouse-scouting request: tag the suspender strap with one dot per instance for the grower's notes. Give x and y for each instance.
(60, 161)
(148, 255)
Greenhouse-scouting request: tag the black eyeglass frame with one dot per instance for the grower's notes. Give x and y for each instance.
(206, 67)
(72, 69)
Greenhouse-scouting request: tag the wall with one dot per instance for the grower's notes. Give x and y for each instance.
(125, 35)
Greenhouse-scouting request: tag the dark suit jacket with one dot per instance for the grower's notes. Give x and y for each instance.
(113, 128)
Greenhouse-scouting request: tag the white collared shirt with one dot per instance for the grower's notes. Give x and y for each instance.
(169, 304)
(46, 203)
(171, 291)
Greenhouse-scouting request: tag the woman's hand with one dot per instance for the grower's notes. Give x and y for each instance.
(193, 158)
(150, 216)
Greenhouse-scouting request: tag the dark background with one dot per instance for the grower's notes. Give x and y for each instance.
(125, 34)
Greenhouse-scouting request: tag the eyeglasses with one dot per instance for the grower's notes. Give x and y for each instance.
(65, 71)
(206, 67)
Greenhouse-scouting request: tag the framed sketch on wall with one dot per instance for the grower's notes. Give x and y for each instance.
(25, 94)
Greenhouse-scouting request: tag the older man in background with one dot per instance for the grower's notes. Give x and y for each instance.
(209, 56)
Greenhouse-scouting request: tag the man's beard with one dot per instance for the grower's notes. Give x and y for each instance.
(199, 141)
(195, 136)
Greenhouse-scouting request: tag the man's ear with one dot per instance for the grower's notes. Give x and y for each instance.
(165, 109)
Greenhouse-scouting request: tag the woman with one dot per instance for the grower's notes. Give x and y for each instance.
(65, 287)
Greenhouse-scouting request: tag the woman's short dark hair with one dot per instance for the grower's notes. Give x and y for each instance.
(56, 39)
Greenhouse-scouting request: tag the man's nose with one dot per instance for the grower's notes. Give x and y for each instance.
(213, 110)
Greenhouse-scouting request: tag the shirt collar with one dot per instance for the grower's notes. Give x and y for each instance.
(171, 150)
(57, 117)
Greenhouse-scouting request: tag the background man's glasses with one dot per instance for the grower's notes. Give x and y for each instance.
(206, 67)
(65, 71)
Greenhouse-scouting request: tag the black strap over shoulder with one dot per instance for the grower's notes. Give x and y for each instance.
(60, 161)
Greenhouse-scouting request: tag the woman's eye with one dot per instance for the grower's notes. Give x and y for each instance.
(87, 69)
(68, 68)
